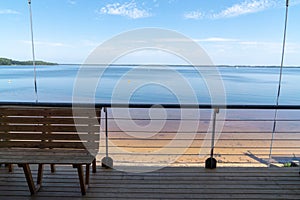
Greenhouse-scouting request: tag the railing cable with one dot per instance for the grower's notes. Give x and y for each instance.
(33, 53)
(279, 81)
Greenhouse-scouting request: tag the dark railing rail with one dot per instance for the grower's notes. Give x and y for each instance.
(148, 105)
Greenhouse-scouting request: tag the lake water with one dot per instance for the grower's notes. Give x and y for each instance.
(146, 84)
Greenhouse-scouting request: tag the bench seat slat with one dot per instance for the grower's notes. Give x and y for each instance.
(39, 144)
(43, 128)
(45, 156)
(45, 120)
(44, 160)
(10, 151)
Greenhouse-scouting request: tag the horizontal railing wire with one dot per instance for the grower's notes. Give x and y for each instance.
(244, 140)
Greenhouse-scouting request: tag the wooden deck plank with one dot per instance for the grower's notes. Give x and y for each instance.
(166, 183)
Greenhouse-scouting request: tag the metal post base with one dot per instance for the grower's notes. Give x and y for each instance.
(107, 162)
(210, 163)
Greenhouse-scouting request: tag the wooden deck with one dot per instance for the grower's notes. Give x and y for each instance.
(167, 183)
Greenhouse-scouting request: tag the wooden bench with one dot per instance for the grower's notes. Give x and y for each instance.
(44, 135)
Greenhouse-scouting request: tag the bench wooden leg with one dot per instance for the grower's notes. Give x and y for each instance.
(52, 166)
(10, 167)
(40, 175)
(29, 178)
(87, 174)
(94, 166)
(81, 178)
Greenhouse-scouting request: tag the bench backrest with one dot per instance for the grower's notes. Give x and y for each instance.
(48, 127)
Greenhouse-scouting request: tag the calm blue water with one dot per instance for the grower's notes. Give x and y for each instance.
(243, 85)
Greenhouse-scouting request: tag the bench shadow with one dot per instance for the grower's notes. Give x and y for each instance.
(258, 159)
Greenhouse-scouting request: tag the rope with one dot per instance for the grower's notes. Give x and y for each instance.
(33, 53)
(279, 82)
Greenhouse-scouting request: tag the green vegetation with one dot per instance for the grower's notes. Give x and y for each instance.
(291, 164)
(6, 61)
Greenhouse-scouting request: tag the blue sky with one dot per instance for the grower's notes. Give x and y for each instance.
(240, 32)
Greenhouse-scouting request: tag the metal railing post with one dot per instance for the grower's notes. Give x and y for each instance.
(107, 162)
(211, 163)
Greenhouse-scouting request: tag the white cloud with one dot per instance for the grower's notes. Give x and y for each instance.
(72, 2)
(9, 12)
(171, 1)
(156, 4)
(193, 15)
(273, 46)
(52, 44)
(245, 7)
(90, 43)
(128, 9)
(216, 39)
(210, 39)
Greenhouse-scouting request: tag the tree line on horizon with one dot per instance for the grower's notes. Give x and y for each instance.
(6, 61)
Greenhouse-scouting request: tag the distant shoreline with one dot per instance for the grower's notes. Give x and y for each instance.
(10, 62)
(180, 65)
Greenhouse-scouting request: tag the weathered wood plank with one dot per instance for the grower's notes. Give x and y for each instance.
(45, 111)
(68, 186)
(43, 128)
(53, 144)
(47, 120)
(86, 159)
(167, 183)
(10, 151)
